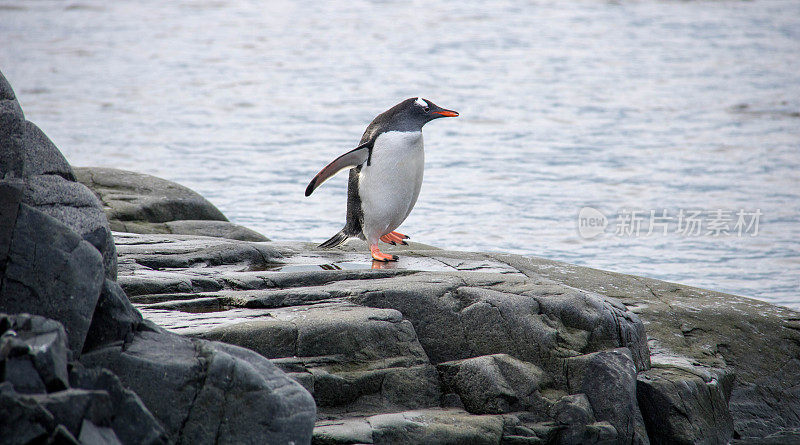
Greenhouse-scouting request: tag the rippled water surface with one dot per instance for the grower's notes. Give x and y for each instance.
(564, 104)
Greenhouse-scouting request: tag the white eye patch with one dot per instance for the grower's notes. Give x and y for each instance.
(421, 102)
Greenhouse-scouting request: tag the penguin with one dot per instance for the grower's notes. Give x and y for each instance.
(385, 175)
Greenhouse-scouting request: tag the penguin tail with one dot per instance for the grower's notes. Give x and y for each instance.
(335, 240)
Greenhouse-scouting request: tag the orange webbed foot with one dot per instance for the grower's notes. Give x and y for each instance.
(377, 255)
(395, 237)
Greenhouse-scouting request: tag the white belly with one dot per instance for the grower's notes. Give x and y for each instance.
(390, 185)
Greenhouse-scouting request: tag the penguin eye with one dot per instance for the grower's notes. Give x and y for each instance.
(427, 109)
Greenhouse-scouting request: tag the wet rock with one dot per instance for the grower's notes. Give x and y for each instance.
(139, 203)
(683, 407)
(204, 391)
(49, 271)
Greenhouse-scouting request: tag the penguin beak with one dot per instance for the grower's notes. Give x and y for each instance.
(446, 113)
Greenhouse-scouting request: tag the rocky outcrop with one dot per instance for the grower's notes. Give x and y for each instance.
(58, 260)
(42, 398)
(508, 348)
(139, 203)
(30, 162)
(718, 343)
(443, 341)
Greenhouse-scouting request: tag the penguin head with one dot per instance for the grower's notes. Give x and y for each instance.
(425, 111)
(409, 115)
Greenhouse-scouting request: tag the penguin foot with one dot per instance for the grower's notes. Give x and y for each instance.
(377, 255)
(395, 237)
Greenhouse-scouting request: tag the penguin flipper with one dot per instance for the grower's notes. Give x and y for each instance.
(352, 158)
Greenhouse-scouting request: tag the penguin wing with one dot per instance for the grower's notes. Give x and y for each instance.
(352, 158)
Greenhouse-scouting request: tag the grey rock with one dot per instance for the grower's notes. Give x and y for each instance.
(51, 271)
(114, 319)
(204, 391)
(92, 434)
(33, 353)
(217, 229)
(129, 418)
(707, 328)
(608, 378)
(24, 149)
(435, 427)
(682, 407)
(72, 407)
(365, 342)
(139, 203)
(430, 426)
(75, 206)
(130, 196)
(22, 421)
(30, 160)
(494, 384)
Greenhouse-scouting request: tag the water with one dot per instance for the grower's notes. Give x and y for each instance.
(612, 105)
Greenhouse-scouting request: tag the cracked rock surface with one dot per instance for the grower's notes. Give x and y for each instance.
(499, 348)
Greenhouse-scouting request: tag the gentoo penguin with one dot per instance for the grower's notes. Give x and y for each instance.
(385, 176)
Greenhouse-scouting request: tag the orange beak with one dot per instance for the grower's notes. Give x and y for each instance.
(447, 113)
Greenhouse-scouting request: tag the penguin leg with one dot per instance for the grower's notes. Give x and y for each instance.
(377, 255)
(400, 235)
(393, 238)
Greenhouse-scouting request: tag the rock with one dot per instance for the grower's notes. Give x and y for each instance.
(139, 203)
(204, 391)
(58, 408)
(114, 318)
(58, 259)
(22, 421)
(24, 150)
(130, 196)
(30, 161)
(33, 353)
(682, 407)
(574, 413)
(49, 271)
(608, 378)
(217, 229)
(72, 407)
(757, 342)
(75, 206)
(420, 426)
(93, 434)
(494, 384)
(130, 420)
(367, 343)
